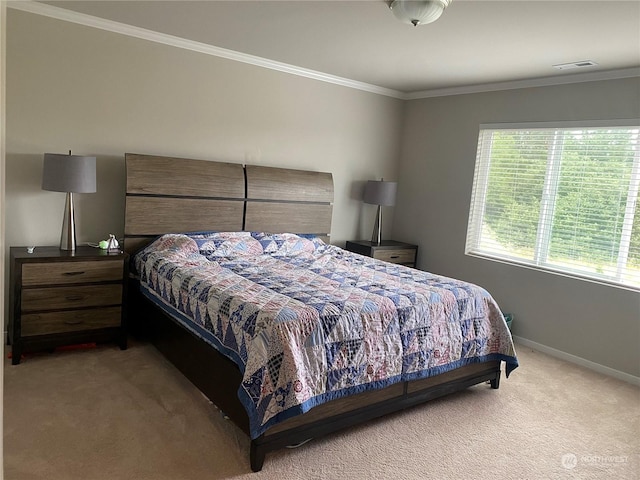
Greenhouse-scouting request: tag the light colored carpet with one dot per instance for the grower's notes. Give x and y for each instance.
(111, 414)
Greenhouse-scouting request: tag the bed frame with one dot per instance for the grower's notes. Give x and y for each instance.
(171, 195)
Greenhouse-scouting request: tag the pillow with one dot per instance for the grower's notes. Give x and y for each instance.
(169, 245)
(176, 243)
(286, 244)
(227, 244)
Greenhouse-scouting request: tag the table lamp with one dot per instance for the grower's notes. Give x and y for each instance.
(383, 194)
(70, 174)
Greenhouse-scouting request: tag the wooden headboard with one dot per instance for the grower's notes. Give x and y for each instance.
(173, 195)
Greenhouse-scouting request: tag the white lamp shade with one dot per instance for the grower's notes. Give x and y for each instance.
(418, 12)
(379, 192)
(69, 173)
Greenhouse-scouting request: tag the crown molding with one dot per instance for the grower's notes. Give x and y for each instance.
(166, 39)
(528, 83)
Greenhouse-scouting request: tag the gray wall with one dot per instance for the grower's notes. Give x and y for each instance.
(104, 94)
(595, 322)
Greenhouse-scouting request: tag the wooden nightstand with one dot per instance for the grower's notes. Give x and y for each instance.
(59, 297)
(388, 250)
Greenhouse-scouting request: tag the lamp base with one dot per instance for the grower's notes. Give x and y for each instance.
(68, 237)
(376, 236)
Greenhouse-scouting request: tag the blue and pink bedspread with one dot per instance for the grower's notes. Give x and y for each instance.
(308, 322)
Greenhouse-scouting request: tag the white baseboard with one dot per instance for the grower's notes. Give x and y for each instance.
(578, 360)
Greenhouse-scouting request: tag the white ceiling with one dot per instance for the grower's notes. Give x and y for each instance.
(475, 42)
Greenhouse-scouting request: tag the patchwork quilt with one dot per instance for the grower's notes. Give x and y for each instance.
(307, 322)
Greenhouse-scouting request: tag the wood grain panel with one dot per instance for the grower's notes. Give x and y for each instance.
(149, 174)
(342, 405)
(158, 215)
(395, 256)
(70, 321)
(76, 296)
(453, 375)
(133, 244)
(288, 217)
(285, 184)
(71, 272)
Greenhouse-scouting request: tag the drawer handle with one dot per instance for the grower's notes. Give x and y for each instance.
(74, 298)
(72, 274)
(73, 322)
(394, 256)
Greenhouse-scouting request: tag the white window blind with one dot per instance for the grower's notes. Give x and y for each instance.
(562, 198)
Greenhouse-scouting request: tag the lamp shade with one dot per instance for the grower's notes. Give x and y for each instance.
(69, 173)
(379, 192)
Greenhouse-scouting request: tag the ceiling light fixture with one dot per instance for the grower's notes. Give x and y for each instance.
(418, 12)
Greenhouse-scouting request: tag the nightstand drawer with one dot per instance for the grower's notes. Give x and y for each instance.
(55, 273)
(70, 321)
(71, 297)
(387, 251)
(396, 256)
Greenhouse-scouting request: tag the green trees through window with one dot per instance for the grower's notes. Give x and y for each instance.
(563, 198)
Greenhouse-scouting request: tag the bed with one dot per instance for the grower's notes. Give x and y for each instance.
(236, 283)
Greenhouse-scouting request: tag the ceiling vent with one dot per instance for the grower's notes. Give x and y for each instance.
(582, 64)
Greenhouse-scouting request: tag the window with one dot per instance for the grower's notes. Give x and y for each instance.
(561, 197)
